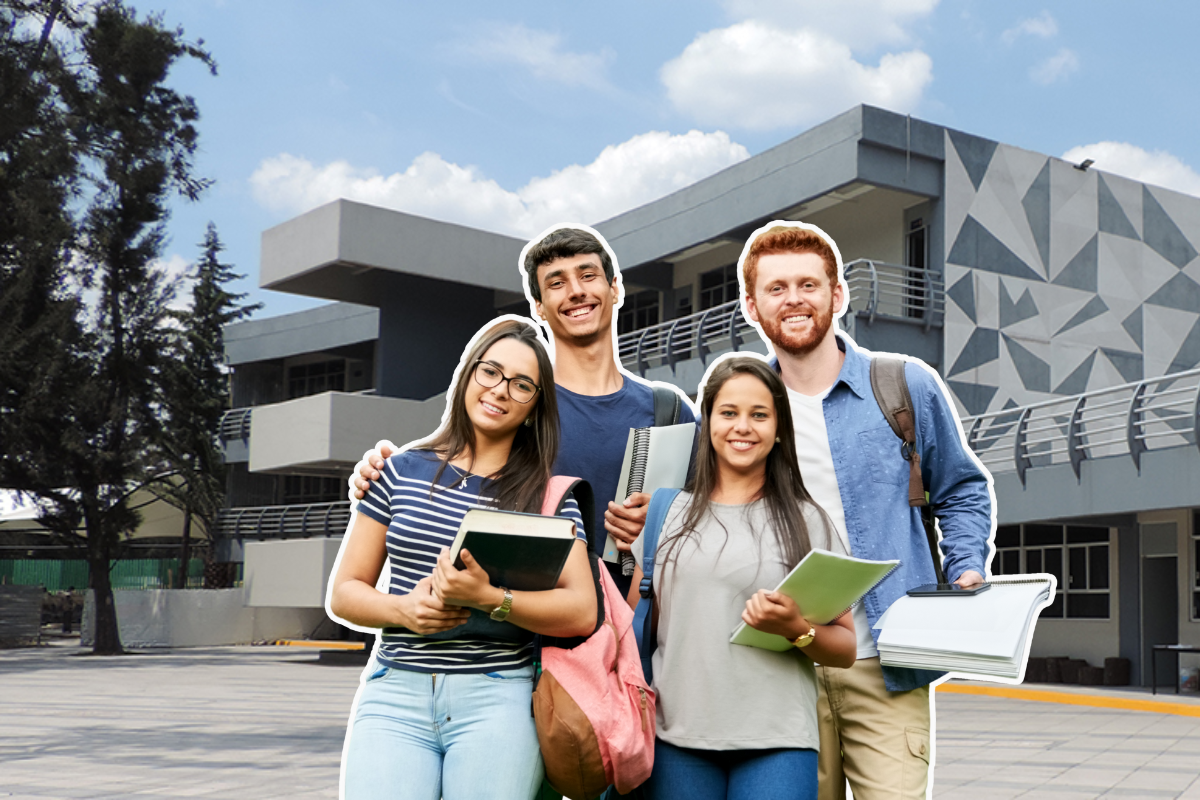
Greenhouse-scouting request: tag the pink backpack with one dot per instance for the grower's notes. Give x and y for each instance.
(593, 708)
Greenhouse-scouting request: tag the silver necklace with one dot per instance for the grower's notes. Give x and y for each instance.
(464, 475)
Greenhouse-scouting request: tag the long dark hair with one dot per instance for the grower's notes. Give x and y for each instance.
(783, 489)
(521, 482)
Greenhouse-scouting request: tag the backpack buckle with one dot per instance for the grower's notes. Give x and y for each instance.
(644, 588)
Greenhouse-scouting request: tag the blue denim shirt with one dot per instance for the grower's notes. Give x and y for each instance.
(872, 478)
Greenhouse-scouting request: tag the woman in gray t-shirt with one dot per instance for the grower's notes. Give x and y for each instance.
(739, 721)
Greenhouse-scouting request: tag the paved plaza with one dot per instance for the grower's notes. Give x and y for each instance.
(259, 722)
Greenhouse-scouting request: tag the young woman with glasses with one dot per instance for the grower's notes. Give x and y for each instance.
(736, 721)
(444, 708)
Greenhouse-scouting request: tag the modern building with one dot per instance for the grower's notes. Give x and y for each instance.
(1060, 303)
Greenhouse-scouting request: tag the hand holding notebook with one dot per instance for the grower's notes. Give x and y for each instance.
(824, 585)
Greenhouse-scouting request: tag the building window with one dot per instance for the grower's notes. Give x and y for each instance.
(718, 286)
(638, 311)
(305, 489)
(1196, 566)
(1076, 555)
(324, 376)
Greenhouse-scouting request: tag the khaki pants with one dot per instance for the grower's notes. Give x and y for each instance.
(876, 739)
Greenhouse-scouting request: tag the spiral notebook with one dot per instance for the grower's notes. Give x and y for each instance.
(825, 585)
(985, 635)
(655, 458)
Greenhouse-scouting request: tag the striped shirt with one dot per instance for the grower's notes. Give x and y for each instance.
(420, 524)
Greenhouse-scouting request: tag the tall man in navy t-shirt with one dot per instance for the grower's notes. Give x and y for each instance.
(574, 287)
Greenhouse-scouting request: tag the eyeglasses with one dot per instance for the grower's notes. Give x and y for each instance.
(521, 389)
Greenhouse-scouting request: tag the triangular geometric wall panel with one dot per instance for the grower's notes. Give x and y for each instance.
(1181, 292)
(974, 397)
(1077, 381)
(963, 293)
(1082, 270)
(1011, 313)
(1034, 371)
(1112, 217)
(977, 246)
(975, 154)
(1189, 352)
(1094, 308)
(981, 348)
(1162, 234)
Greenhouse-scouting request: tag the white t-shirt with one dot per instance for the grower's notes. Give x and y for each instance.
(816, 467)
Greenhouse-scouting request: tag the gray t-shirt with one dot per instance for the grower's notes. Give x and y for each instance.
(713, 695)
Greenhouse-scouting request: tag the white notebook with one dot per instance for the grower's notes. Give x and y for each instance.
(985, 635)
(655, 458)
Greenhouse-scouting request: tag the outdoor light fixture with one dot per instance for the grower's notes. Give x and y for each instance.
(1083, 165)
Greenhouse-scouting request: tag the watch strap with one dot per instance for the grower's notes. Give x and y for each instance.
(500, 612)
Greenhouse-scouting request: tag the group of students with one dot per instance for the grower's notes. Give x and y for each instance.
(444, 708)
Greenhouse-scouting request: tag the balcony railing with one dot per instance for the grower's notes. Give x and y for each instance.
(284, 522)
(894, 291)
(235, 424)
(1128, 420)
(694, 336)
(877, 289)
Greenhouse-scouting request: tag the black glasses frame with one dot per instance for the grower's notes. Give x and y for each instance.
(503, 379)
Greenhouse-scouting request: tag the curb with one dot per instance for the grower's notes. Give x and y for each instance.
(1070, 699)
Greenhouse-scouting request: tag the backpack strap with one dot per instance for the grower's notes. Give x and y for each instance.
(666, 406)
(552, 503)
(645, 616)
(891, 392)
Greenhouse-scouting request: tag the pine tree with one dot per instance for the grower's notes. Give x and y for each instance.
(197, 393)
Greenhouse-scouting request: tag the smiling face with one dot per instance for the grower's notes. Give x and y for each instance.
(577, 302)
(493, 412)
(743, 424)
(794, 300)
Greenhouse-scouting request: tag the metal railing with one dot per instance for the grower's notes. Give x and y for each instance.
(693, 336)
(283, 522)
(894, 291)
(1132, 419)
(877, 289)
(235, 424)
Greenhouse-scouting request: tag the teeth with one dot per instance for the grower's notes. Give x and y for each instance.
(741, 445)
(493, 408)
(579, 312)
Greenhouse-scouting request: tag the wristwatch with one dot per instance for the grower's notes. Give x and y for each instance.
(806, 639)
(500, 612)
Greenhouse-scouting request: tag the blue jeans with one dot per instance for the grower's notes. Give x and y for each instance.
(686, 774)
(422, 736)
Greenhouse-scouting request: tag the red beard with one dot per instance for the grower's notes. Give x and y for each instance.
(798, 344)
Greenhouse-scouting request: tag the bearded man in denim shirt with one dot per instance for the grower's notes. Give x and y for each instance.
(874, 720)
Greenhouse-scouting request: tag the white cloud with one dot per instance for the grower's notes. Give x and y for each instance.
(541, 53)
(1055, 68)
(622, 177)
(758, 77)
(176, 269)
(1042, 26)
(862, 24)
(1157, 167)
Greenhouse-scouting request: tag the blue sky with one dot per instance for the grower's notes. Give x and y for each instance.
(511, 118)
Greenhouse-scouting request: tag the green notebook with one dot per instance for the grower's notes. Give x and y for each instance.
(824, 585)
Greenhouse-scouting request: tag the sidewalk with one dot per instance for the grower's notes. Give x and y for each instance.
(243, 722)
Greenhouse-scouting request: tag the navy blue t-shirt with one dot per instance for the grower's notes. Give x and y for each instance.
(595, 431)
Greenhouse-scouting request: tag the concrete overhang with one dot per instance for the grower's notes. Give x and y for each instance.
(329, 432)
(317, 329)
(362, 254)
(1112, 485)
(865, 145)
